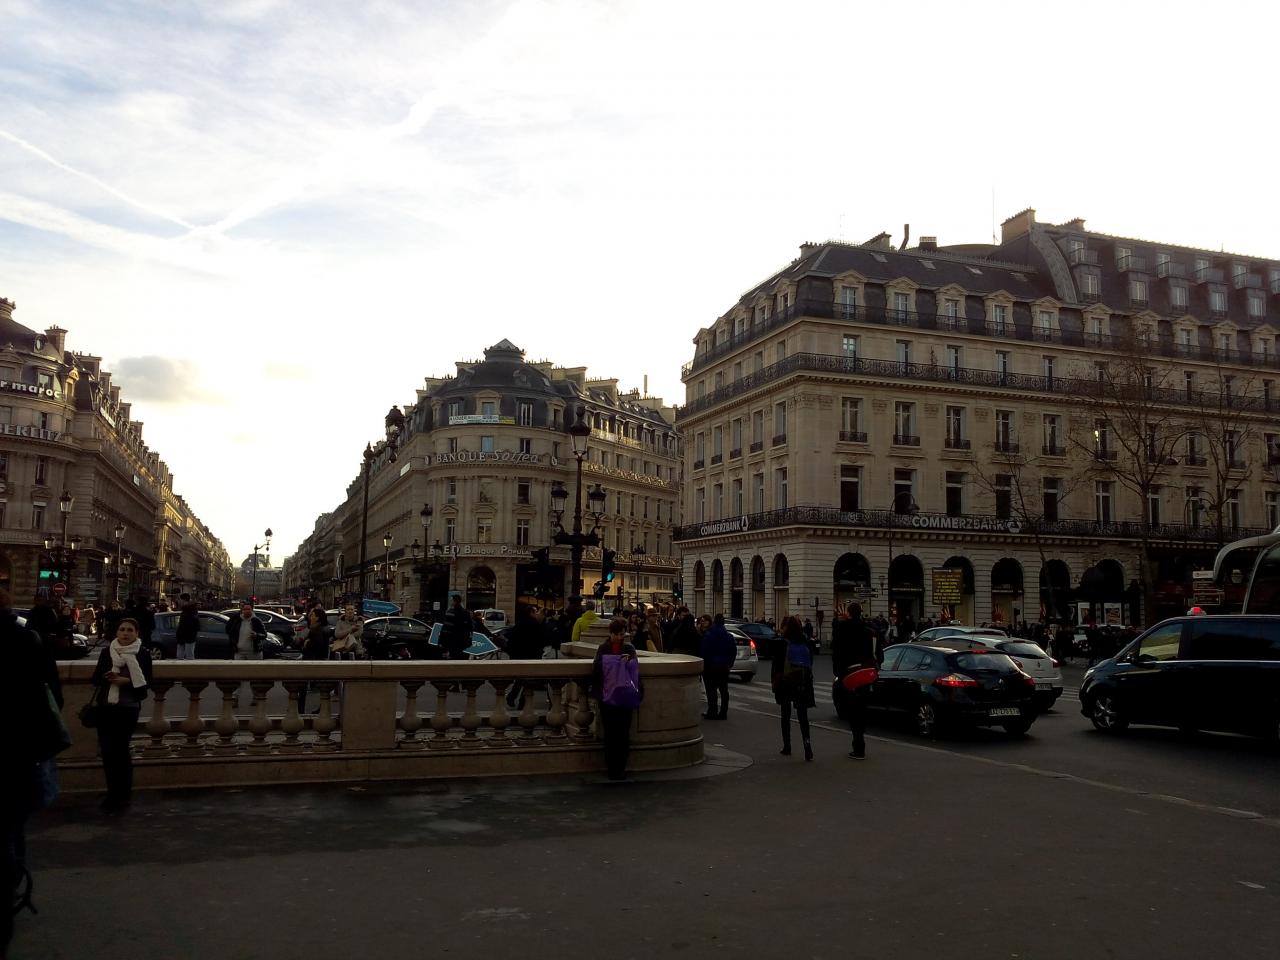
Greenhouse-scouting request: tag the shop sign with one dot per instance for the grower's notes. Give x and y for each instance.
(736, 525)
(15, 386)
(937, 521)
(494, 456)
(34, 433)
(948, 585)
(466, 419)
(486, 550)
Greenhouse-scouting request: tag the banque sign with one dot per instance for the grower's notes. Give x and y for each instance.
(495, 456)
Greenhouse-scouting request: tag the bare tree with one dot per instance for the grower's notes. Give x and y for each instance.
(1132, 431)
(1221, 431)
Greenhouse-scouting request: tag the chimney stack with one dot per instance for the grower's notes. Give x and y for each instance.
(6, 309)
(1018, 225)
(57, 338)
(807, 248)
(929, 243)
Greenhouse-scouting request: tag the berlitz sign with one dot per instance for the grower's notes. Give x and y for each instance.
(14, 386)
(35, 433)
(494, 456)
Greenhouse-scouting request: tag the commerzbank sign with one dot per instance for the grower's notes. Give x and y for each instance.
(737, 525)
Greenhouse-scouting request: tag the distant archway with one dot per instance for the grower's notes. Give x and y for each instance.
(736, 596)
(851, 578)
(1006, 592)
(717, 587)
(781, 587)
(963, 610)
(757, 588)
(1055, 591)
(906, 587)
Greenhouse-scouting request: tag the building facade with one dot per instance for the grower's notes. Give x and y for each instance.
(484, 448)
(1063, 425)
(66, 436)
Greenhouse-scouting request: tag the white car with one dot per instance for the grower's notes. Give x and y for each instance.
(744, 667)
(955, 630)
(1031, 658)
(495, 620)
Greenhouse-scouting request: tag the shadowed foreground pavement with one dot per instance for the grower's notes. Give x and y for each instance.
(914, 853)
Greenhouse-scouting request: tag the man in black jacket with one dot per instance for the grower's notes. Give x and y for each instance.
(455, 633)
(852, 647)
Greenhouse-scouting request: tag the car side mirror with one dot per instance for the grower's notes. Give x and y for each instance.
(1144, 658)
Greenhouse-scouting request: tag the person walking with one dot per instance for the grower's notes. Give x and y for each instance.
(615, 717)
(455, 634)
(89, 620)
(588, 617)
(348, 633)
(853, 647)
(525, 642)
(791, 675)
(246, 634)
(188, 628)
(121, 678)
(315, 646)
(718, 651)
(29, 670)
(685, 638)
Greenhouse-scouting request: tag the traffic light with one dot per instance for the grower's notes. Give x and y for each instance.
(677, 591)
(606, 566)
(598, 589)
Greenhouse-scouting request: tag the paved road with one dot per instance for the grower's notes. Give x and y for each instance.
(1063, 844)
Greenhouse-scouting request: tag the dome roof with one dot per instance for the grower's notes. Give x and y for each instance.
(503, 368)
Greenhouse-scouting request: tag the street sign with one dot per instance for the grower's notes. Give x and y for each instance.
(1205, 593)
(59, 589)
(1202, 575)
(382, 608)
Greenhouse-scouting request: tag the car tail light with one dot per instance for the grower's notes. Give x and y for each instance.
(753, 646)
(955, 680)
(1028, 679)
(1054, 662)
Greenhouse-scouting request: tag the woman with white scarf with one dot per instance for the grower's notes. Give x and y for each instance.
(121, 678)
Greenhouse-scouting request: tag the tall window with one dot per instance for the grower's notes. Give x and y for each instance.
(484, 530)
(525, 414)
(522, 533)
(717, 501)
(757, 426)
(486, 444)
(700, 504)
(1102, 492)
(780, 351)
(1272, 507)
(955, 427)
(850, 487)
(901, 305)
(999, 319)
(780, 488)
(37, 518)
(1004, 495)
(1193, 507)
(1049, 368)
(904, 489)
(42, 470)
(904, 352)
(450, 530)
(4, 466)
(1193, 448)
(757, 492)
(1002, 363)
(1231, 443)
(526, 445)
(779, 422)
(850, 417)
(955, 358)
(1178, 297)
(451, 490)
(717, 441)
(1052, 433)
(1004, 431)
(1101, 438)
(1052, 490)
(849, 300)
(849, 346)
(955, 494)
(1089, 284)
(1044, 322)
(757, 361)
(736, 494)
(735, 435)
(951, 310)
(1138, 291)
(700, 448)
(1153, 507)
(904, 421)
(523, 486)
(488, 408)
(1218, 301)
(1233, 508)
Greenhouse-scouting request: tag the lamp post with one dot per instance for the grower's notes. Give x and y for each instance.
(388, 579)
(62, 554)
(393, 422)
(637, 555)
(576, 539)
(431, 557)
(253, 591)
(120, 558)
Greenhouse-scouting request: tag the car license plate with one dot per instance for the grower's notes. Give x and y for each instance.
(1044, 685)
(1005, 712)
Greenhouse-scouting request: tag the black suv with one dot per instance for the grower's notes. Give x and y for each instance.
(1194, 673)
(938, 685)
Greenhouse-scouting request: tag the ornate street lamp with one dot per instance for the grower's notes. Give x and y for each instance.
(256, 547)
(62, 553)
(576, 539)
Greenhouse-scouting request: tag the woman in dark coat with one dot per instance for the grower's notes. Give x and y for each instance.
(121, 681)
(315, 646)
(615, 721)
(791, 675)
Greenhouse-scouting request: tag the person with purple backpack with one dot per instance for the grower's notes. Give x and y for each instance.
(615, 683)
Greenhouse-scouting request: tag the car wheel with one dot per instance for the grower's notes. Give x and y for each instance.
(1017, 728)
(926, 719)
(1106, 716)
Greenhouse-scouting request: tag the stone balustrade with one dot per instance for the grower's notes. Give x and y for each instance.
(220, 722)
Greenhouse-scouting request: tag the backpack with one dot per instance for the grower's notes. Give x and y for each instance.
(795, 669)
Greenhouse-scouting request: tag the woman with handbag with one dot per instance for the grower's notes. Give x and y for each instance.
(853, 660)
(121, 681)
(791, 675)
(615, 683)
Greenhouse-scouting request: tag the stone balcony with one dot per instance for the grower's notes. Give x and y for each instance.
(222, 723)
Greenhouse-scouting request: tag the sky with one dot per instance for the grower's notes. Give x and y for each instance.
(273, 220)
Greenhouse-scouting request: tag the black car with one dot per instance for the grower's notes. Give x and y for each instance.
(939, 685)
(763, 635)
(276, 624)
(211, 640)
(1194, 673)
(380, 633)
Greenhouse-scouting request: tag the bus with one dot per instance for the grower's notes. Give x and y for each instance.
(1248, 573)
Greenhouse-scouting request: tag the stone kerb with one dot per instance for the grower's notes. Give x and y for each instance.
(218, 722)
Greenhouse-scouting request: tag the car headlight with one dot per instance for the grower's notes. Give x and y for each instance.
(1088, 673)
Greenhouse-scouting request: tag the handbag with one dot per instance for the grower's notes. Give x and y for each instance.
(621, 681)
(860, 678)
(52, 737)
(91, 712)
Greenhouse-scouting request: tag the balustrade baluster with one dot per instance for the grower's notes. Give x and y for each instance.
(410, 721)
(500, 718)
(193, 724)
(324, 722)
(440, 720)
(259, 725)
(227, 725)
(471, 715)
(529, 714)
(158, 725)
(582, 714)
(293, 723)
(556, 715)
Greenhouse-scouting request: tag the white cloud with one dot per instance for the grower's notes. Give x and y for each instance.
(315, 206)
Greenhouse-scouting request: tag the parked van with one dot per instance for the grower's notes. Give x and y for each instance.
(495, 620)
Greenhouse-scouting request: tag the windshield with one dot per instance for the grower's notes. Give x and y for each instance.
(984, 663)
(1022, 649)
